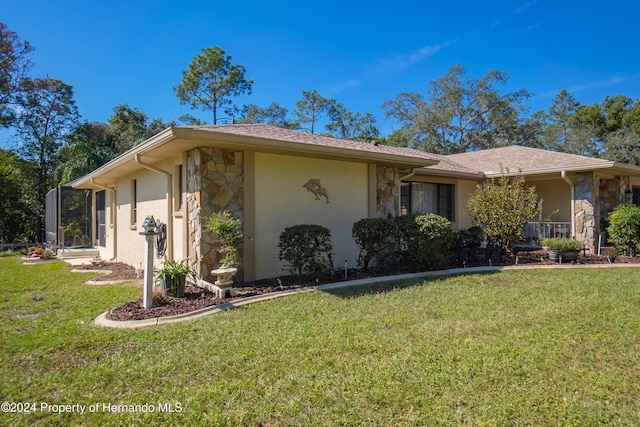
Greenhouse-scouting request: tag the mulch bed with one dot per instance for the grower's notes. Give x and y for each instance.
(196, 298)
(118, 271)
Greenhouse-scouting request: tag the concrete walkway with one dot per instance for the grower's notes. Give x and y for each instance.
(102, 320)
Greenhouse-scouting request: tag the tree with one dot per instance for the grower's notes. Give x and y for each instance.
(89, 146)
(459, 113)
(47, 115)
(15, 223)
(311, 107)
(14, 65)
(347, 125)
(614, 126)
(210, 81)
(396, 138)
(503, 208)
(189, 120)
(274, 115)
(130, 126)
(559, 130)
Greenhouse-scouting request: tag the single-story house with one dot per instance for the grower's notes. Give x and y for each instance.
(272, 178)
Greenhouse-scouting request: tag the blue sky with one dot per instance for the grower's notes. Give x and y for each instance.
(361, 52)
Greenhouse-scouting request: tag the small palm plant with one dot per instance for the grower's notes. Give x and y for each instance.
(172, 277)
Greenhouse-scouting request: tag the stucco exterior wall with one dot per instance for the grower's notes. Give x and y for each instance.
(107, 251)
(555, 194)
(151, 200)
(282, 201)
(464, 191)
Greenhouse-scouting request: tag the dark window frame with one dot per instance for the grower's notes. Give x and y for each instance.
(445, 195)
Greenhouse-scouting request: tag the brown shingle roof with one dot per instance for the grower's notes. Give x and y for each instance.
(280, 134)
(517, 158)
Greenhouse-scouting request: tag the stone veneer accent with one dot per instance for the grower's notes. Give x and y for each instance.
(214, 183)
(612, 194)
(586, 209)
(387, 192)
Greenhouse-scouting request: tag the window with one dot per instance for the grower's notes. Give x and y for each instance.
(178, 188)
(425, 197)
(636, 196)
(134, 202)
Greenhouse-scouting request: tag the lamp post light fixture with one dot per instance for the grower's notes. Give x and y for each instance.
(149, 232)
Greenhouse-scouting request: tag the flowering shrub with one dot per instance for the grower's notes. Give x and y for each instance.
(503, 208)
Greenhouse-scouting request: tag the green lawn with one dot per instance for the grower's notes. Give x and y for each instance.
(546, 347)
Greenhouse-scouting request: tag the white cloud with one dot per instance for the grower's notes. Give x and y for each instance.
(611, 81)
(534, 26)
(399, 62)
(525, 6)
(339, 87)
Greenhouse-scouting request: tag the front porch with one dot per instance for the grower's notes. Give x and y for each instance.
(534, 230)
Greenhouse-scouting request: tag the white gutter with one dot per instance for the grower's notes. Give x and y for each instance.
(571, 182)
(409, 175)
(169, 202)
(113, 217)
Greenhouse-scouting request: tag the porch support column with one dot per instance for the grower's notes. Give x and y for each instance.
(586, 212)
(387, 191)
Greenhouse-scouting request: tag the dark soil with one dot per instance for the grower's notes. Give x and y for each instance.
(119, 271)
(196, 298)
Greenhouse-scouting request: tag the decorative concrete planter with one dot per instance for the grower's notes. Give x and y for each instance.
(565, 256)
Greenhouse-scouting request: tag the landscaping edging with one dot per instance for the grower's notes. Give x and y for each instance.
(102, 320)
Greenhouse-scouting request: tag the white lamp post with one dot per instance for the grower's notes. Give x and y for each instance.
(148, 231)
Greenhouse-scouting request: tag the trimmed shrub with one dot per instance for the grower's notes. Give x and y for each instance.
(624, 228)
(424, 240)
(377, 240)
(307, 248)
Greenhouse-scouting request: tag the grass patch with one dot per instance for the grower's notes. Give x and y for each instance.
(546, 347)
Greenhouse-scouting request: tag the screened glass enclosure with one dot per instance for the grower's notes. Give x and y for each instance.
(68, 217)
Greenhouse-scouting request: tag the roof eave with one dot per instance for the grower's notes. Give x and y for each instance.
(151, 143)
(555, 169)
(449, 173)
(253, 143)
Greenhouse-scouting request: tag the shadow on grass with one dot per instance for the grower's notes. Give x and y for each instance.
(389, 284)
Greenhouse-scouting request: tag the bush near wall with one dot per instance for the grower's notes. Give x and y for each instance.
(417, 242)
(426, 241)
(377, 240)
(624, 228)
(307, 248)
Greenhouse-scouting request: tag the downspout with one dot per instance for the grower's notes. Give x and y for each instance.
(402, 178)
(569, 181)
(169, 202)
(409, 175)
(113, 217)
